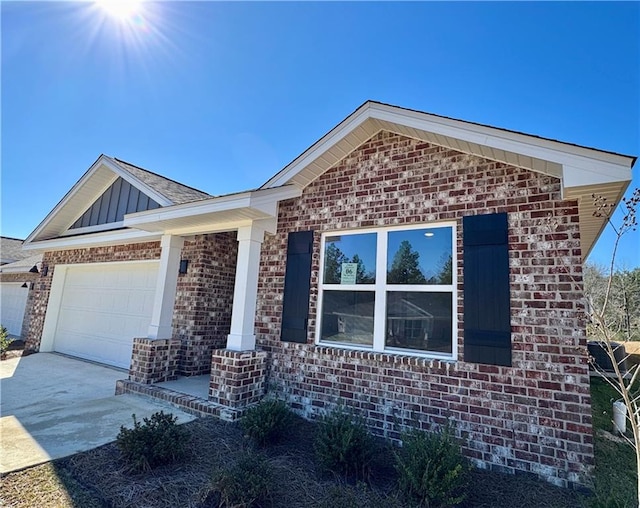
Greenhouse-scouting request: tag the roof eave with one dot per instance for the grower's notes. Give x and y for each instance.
(222, 213)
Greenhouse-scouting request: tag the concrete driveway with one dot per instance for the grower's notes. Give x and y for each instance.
(52, 406)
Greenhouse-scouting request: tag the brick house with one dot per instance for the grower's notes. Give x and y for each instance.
(413, 267)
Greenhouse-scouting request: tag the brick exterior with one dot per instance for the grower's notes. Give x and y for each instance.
(532, 417)
(202, 312)
(238, 379)
(154, 361)
(204, 298)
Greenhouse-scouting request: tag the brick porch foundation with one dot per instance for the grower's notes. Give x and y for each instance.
(238, 379)
(154, 361)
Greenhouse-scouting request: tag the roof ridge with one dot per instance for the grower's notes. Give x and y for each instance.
(161, 176)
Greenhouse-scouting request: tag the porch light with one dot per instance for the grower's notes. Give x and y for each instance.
(184, 264)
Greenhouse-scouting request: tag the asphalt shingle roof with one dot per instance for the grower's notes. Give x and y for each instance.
(11, 250)
(175, 192)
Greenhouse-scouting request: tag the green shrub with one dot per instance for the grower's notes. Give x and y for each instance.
(160, 440)
(343, 445)
(246, 483)
(431, 468)
(267, 422)
(4, 341)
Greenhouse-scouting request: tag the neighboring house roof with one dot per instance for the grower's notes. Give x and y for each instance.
(24, 265)
(583, 171)
(100, 176)
(11, 250)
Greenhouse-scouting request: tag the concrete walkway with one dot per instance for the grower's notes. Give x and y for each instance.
(52, 406)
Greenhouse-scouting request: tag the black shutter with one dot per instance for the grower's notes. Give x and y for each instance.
(487, 306)
(297, 283)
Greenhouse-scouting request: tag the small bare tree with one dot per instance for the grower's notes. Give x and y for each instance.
(623, 380)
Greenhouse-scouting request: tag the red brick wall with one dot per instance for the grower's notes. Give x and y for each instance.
(154, 361)
(237, 380)
(204, 297)
(534, 416)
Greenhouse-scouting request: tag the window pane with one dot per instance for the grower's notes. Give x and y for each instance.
(419, 321)
(347, 317)
(350, 259)
(420, 256)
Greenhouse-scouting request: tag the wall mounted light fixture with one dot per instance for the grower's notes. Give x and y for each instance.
(184, 264)
(45, 271)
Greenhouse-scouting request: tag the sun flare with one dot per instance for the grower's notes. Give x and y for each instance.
(121, 10)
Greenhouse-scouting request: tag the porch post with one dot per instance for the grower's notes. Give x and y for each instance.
(165, 296)
(245, 293)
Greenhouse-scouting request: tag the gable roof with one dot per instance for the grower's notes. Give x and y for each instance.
(102, 173)
(583, 171)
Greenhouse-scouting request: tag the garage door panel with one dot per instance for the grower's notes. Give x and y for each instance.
(13, 301)
(103, 307)
(110, 348)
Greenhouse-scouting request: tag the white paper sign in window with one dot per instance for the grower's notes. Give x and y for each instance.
(348, 273)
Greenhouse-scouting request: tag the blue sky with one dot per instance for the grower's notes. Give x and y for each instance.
(221, 96)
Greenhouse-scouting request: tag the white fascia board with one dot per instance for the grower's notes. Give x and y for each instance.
(106, 161)
(265, 201)
(15, 269)
(340, 131)
(95, 240)
(158, 198)
(65, 200)
(218, 227)
(579, 176)
(93, 229)
(600, 167)
(206, 206)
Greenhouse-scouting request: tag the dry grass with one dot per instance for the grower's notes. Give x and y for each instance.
(46, 486)
(100, 478)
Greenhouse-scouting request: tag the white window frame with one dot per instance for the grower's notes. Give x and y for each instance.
(380, 289)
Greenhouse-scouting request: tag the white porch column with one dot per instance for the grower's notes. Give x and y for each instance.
(245, 292)
(160, 327)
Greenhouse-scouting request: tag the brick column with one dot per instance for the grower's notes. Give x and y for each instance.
(154, 361)
(238, 379)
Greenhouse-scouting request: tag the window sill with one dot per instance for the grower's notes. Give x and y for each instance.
(406, 357)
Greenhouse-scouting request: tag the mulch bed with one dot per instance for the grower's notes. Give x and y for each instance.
(15, 350)
(100, 478)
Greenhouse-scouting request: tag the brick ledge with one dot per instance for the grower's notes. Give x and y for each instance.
(188, 403)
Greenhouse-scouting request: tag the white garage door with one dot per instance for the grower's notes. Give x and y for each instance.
(13, 300)
(103, 307)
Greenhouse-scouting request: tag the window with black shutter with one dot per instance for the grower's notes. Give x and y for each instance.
(389, 289)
